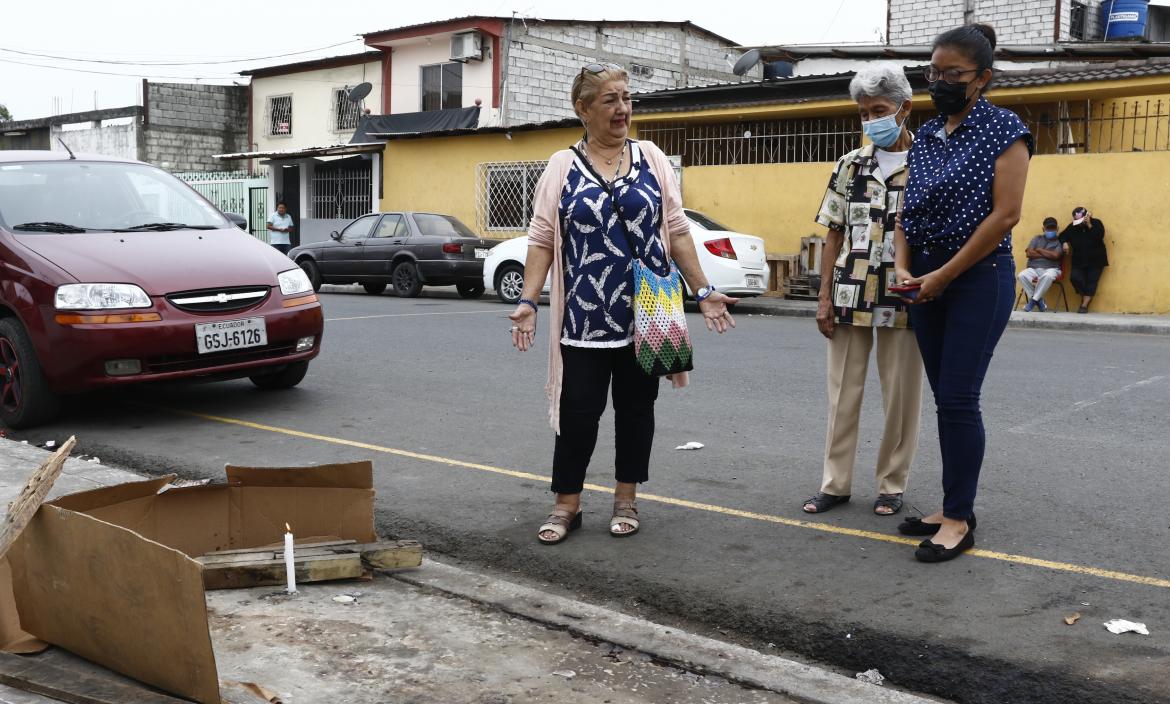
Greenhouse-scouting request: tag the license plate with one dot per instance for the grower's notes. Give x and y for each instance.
(230, 335)
(481, 253)
(755, 281)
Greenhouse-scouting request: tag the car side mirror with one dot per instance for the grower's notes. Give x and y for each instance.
(335, 235)
(238, 220)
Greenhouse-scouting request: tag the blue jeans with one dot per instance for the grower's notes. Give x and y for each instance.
(957, 333)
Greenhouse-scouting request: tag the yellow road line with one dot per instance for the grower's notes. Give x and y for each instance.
(683, 503)
(501, 313)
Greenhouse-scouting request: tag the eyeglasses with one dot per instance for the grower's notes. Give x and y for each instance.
(600, 68)
(951, 75)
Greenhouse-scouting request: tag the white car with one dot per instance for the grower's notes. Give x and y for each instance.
(734, 263)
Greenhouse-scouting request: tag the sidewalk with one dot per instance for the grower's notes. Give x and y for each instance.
(440, 634)
(1089, 322)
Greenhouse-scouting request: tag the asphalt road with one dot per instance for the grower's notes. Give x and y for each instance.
(1072, 512)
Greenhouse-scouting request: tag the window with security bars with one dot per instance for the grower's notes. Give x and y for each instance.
(442, 86)
(279, 111)
(342, 191)
(345, 111)
(504, 195)
(1077, 20)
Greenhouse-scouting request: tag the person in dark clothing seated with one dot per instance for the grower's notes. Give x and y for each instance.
(1085, 235)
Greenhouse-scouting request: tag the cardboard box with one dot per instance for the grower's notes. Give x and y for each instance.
(108, 574)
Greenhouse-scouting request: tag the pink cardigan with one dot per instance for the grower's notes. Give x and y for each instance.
(545, 232)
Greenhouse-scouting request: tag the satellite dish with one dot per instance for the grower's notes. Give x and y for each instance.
(746, 62)
(360, 91)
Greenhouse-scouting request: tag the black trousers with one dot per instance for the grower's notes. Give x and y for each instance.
(1084, 279)
(584, 387)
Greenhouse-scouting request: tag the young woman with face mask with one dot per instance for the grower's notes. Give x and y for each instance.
(968, 168)
(857, 308)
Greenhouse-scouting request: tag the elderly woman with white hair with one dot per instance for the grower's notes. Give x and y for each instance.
(856, 303)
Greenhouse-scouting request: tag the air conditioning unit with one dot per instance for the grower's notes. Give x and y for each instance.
(467, 46)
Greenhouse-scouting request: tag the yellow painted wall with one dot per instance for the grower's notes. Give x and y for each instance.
(778, 201)
(438, 174)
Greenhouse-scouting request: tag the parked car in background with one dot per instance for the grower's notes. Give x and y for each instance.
(734, 263)
(404, 250)
(114, 272)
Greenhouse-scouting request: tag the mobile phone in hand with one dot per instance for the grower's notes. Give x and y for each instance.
(906, 291)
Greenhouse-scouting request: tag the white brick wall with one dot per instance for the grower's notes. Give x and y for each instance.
(1015, 21)
(540, 77)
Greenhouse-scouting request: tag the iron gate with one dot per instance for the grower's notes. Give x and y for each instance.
(237, 192)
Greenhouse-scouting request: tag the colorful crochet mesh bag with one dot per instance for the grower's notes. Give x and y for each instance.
(662, 344)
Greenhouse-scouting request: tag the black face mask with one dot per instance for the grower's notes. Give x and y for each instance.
(949, 98)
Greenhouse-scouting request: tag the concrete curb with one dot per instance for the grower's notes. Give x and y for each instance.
(735, 663)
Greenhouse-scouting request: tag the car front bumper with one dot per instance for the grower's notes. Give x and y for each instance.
(166, 349)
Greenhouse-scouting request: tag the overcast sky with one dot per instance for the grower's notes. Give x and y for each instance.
(218, 30)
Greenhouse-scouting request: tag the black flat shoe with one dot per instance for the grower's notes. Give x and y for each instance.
(822, 502)
(932, 552)
(917, 527)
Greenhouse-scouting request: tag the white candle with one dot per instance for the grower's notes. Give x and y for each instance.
(289, 561)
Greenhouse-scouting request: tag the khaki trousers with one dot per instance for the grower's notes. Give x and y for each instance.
(900, 372)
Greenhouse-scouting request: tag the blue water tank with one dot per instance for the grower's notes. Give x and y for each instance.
(1124, 19)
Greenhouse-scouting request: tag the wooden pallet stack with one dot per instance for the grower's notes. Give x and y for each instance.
(804, 283)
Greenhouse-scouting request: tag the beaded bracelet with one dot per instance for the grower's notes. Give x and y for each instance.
(528, 302)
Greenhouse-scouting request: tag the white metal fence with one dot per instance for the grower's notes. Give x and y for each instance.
(237, 192)
(503, 196)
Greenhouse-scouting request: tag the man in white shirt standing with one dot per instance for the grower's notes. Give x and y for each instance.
(280, 225)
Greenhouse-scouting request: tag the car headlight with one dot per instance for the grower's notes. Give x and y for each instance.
(100, 297)
(294, 281)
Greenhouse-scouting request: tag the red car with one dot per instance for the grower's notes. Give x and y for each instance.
(114, 272)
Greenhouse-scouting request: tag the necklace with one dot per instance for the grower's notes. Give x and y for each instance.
(609, 160)
(621, 156)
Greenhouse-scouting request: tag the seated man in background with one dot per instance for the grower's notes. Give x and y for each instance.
(1044, 253)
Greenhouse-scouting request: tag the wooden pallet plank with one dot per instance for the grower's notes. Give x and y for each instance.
(21, 511)
(72, 685)
(263, 573)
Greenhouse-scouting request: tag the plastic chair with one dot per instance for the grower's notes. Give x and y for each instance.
(1057, 283)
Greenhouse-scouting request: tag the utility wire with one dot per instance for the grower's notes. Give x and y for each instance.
(173, 63)
(123, 75)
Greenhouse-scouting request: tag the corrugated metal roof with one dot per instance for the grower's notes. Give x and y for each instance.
(1064, 50)
(310, 64)
(309, 152)
(534, 20)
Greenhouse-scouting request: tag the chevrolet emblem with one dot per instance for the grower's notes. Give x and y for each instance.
(221, 298)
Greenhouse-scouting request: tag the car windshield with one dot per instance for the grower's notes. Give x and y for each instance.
(704, 222)
(441, 225)
(81, 196)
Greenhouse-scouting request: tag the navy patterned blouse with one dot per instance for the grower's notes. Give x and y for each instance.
(949, 190)
(599, 223)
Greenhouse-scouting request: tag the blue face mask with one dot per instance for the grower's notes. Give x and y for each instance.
(1050, 234)
(883, 131)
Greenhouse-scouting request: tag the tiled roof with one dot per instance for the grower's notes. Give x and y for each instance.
(1157, 66)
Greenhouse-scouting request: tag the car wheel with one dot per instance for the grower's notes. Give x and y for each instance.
(310, 268)
(374, 289)
(25, 398)
(286, 378)
(470, 289)
(406, 282)
(510, 283)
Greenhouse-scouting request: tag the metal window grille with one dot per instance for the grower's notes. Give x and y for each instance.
(341, 192)
(1078, 127)
(345, 113)
(1077, 17)
(504, 192)
(757, 141)
(279, 110)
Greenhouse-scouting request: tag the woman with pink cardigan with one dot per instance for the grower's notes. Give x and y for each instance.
(599, 206)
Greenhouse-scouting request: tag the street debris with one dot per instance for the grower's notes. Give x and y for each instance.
(1120, 625)
(344, 599)
(160, 637)
(567, 674)
(692, 445)
(871, 677)
(315, 560)
(50, 444)
(1072, 620)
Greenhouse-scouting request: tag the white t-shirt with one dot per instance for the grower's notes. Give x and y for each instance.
(889, 162)
(281, 221)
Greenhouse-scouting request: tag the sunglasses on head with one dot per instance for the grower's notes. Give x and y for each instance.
(600, 68)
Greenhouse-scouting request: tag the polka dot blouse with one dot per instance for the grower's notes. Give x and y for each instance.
(949, 190)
